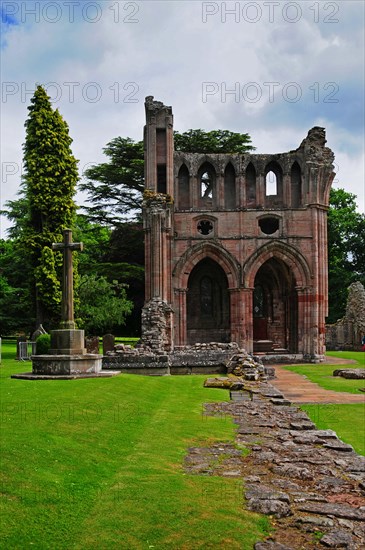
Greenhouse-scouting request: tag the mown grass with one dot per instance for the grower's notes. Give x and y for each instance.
(98, 463)
(347, 420)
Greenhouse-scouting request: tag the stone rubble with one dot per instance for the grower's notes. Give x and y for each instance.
(213, 357)
(310, 483)
(354, 374)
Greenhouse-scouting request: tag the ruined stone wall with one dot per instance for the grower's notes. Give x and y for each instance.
(218, 208)
(346, 333)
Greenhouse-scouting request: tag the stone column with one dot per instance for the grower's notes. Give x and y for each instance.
(247, 329)
(234, 296)
(180, 316)
(67, 305)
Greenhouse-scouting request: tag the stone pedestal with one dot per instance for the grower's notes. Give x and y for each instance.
(55, 365)
(67, 356)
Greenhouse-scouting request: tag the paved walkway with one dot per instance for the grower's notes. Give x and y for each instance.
(298, 389)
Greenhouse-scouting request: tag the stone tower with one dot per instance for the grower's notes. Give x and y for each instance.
(236, 244)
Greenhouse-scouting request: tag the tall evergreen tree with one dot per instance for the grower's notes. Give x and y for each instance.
(49, 185)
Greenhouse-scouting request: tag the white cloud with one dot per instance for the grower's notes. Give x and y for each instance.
(169, 53)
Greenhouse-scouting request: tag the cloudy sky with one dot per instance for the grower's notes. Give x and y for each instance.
(272, 69)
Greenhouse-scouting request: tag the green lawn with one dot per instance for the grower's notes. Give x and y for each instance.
(347, 420)
(98, 464)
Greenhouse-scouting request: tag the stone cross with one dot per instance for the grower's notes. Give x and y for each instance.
(67, 306)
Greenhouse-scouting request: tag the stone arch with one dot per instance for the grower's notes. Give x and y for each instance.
(207, 303)
(275, 308)
(281, 251)
(182, 160)
(207, 184)
(274, 199)
(201, 251)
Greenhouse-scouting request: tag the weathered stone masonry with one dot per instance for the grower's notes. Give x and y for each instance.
(236, 244)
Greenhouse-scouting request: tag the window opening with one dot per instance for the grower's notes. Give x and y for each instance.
(269, 225)
(205, 227)
(271, 184)
(206, 186)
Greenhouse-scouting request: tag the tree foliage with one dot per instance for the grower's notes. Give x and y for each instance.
(115, 188)
(103, 305)
(16, 312)
(49, 185)
(116, 255)
(45, 206)
(216, 141)
(346, 251)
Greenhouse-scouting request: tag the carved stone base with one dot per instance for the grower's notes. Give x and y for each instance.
(66, 364)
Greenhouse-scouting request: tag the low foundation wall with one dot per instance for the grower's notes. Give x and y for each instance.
(199, 359)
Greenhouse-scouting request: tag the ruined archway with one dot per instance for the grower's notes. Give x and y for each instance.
(208, 304)
(275, 308)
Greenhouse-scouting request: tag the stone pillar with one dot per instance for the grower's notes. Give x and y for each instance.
(287, 195)
(241, 190)
(157, 314)
(218, 199)
(260, 189)
(235, 321)
(195, 191)
(180, 316)
(247, 296)
(67, 305)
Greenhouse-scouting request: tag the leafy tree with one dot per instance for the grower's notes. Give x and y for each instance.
(124, 260)
(216, 141)
(103, 305)
(116, 255)
(16, 312)
(346, 251)
(96, 241)
(115, 187)
(47, 203)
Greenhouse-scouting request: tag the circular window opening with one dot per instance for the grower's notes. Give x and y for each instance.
(205, 227)
(269, 225)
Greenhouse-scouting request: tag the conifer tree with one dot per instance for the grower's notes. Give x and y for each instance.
(49, 184)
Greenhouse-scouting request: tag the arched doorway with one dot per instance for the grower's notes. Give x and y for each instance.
(275, 309)
(208, 311)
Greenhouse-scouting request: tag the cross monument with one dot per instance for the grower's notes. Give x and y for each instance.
(67, 305)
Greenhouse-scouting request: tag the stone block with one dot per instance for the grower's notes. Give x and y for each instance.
(108, 343)
(92, 344)
(67, 342)
(66, 364)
